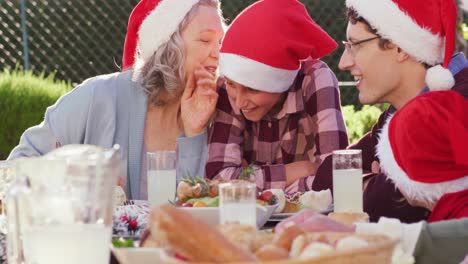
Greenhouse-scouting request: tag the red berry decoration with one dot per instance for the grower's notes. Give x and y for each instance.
(133, 224)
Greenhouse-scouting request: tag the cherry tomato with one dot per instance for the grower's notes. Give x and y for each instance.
(187, 205)
(266, 196)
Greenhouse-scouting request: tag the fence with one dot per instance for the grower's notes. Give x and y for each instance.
(83, 38)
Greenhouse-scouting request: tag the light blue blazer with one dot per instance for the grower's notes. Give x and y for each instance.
(103, 111)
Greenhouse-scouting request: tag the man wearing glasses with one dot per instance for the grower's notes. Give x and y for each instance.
(396, 50)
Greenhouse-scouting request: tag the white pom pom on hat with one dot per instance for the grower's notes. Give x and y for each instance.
(439, 78)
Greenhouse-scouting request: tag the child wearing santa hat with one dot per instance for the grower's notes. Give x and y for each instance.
(424, 150)
(167, 87)
(279, 106)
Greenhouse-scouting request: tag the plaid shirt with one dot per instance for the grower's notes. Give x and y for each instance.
(308, 127)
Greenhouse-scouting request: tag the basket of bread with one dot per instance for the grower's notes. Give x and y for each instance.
(188, 239)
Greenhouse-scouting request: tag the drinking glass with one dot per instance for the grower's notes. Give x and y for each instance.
(347, 180)
(60, 207)
(161, 177)
(237, 203)
(6, 176)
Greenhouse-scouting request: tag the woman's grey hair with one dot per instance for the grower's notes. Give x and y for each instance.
(164, 70)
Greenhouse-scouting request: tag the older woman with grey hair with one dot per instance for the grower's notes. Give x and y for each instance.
(162, 100)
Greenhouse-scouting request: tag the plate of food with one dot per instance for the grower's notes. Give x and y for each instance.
(200, 198)
(289, 204)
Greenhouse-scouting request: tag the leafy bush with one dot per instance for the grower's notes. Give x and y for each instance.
(359, 122)
(24, 98)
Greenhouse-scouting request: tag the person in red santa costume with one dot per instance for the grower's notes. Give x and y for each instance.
(423, 149)
(279, 105)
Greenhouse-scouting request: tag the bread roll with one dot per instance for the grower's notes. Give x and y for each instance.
(285, 237)
(298, 245)
(351, 242)
(315, 249)
(261, 239)
(349, 218)
(271, 252)
(193, 238)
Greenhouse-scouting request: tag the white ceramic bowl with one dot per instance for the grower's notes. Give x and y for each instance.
(211, 214)
(138, 255)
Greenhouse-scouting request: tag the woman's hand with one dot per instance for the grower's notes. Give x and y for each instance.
(198, 102)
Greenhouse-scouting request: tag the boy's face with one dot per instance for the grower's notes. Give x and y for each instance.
(375, 69)
(253, 104)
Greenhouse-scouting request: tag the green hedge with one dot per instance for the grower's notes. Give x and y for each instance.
(359, 122)
(24, 98)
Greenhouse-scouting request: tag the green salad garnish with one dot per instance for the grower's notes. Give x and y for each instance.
(123, 242)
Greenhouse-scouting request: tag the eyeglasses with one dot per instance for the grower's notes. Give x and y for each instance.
(350, 46)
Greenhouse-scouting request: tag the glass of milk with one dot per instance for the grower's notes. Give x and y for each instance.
(60, 206)
(237, 203)
(347, 180)
(161, 175)
(6, 177)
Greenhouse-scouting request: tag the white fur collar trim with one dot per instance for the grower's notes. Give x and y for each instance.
(426, 192)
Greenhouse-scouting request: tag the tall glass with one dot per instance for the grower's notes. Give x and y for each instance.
(6, 176)
(237, 203)
(347, 180)
(60, 207)
(161, 177)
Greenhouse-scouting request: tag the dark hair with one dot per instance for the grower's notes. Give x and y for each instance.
(353, 18)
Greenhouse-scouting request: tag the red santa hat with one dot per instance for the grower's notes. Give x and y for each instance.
(151, 24)
(425, 29)
(265, 44)
(423, 148)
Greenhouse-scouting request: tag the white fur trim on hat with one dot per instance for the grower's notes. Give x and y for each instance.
(439, 78)
(254, 74)
(425, 192)
(393, 24)
(160, 24)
